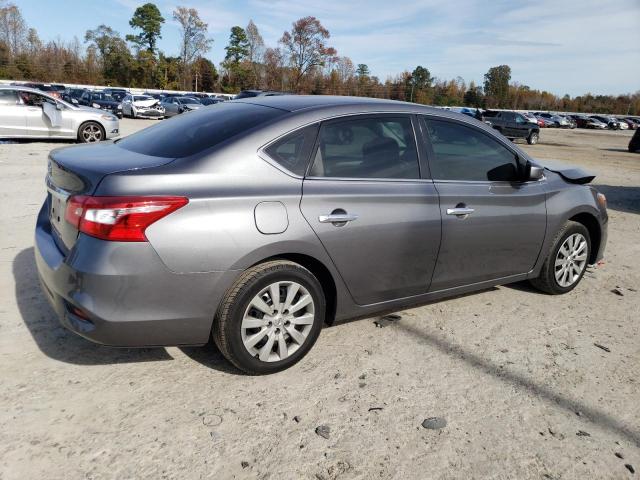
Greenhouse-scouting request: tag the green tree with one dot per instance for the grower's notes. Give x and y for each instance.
(473, 96)
(238, 48)
(206, 73)
(362, 71)
(117, 61)
(148, 19)
(419, 83)
(496, 85)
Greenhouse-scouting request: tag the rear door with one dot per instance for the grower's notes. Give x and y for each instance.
(493, 224)
(13, 119)
(375, 214)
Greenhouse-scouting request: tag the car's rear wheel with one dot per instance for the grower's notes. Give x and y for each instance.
(90, 132)
(533, 137)
(270, 318)
(567, 260)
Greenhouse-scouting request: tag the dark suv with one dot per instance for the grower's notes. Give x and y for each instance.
(513, 125)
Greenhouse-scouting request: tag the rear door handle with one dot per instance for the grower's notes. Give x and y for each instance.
(337, 218)
(460, 211)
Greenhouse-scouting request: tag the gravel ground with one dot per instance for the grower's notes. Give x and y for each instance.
(517, 376)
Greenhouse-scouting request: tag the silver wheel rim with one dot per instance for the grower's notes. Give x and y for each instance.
(277, 321)
(92, 133)
(571, 260)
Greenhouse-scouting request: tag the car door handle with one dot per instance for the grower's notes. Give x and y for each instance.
(337, 218)
(460, 211)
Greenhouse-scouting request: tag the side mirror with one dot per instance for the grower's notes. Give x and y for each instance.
(533, 172)
(59, 106)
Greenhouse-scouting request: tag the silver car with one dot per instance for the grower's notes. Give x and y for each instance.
(30, 113)
(176, 105)
(256, 221)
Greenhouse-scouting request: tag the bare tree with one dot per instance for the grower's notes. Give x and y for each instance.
(256, 50)
(13, 29)
(305, 44)
(193, 39)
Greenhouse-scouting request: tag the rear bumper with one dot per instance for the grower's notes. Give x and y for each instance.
(127, 295)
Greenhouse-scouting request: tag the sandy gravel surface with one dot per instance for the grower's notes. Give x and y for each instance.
(516, 374)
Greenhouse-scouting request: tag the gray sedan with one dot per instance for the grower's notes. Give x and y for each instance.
(256, 221)
(30, 113)
(176, 105)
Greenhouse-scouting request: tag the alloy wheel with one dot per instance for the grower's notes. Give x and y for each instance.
(571, 260)
(92, 133)
(278, 321)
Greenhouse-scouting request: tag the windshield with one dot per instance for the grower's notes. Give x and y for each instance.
(103, 96)
(139, 98)
(201, 129)
(189, 101)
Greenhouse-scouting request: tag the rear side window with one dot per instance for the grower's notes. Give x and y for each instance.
(8, 97)
(196, 131)
(467, 154)
(292, 151)
(369, 147)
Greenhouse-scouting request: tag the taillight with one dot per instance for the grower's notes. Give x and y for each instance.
(120, 219)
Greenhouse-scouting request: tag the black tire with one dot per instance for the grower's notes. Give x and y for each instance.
(99, 133)
(226, 330)
(533, 138)
(546, 281)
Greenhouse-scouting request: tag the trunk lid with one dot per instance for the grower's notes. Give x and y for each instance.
(78, 171)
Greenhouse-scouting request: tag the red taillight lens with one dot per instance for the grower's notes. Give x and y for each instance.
(119, 219)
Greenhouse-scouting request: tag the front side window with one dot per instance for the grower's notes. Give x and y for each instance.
(292, 151)
(368, 147)
(468, 154)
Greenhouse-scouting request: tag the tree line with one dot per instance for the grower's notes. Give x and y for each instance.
(303, 61)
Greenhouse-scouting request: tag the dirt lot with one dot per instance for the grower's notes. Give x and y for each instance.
(516, 374)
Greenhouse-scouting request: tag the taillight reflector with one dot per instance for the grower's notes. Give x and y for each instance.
(120, 219)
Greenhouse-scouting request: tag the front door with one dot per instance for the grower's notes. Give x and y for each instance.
(364, 197)
(493, 224)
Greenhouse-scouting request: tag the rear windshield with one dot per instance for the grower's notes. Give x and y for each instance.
(196, 131)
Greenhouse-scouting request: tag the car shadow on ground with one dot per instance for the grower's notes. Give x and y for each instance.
(53, 339)
(210, 357)
(623, 199)
(523, 383)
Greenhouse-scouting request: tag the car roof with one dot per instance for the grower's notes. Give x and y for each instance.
(293, 103)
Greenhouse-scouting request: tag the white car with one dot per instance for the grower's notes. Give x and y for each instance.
(623, 125)
(30, 113)
(142, 106)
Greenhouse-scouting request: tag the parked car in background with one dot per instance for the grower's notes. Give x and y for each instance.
(117, 94)
(572, 123)
(52, 89)
(72, 95)
(209, 101)
(557, 120)
(622, 124)
(257, 93)
(101, 100)
(177, 105)
(31, 113)
(513, 125)
(633, 122)
(236, 222)
(634, 143)
(142, 106)
(157, 96)
(546, 123)
(530, 116)
(611, 122)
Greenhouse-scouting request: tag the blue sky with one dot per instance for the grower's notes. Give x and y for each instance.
(570, 46)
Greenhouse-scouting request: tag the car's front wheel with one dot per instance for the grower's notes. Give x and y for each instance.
(270, 318)
(567, 260)
(90, 132)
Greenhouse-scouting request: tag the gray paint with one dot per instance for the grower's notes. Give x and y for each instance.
(402, 250)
